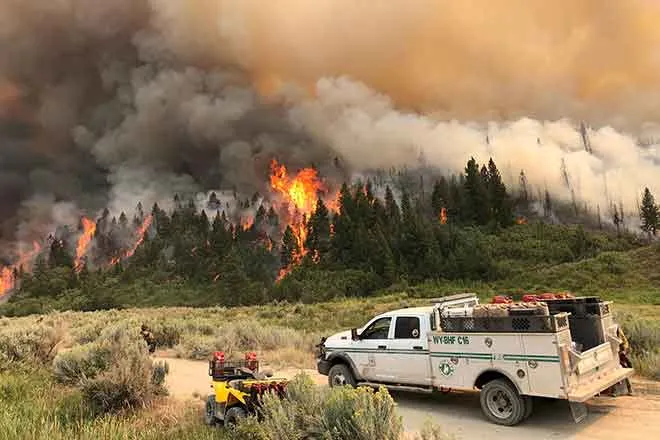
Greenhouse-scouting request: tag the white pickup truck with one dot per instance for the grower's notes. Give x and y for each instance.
(510, 359)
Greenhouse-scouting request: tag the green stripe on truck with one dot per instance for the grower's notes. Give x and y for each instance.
(461, 355)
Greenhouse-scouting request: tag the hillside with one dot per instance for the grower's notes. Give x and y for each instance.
(308, 246)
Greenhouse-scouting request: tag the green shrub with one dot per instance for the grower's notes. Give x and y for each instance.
(113, 373)
(324, 413)
(80, 363)
(30, 346)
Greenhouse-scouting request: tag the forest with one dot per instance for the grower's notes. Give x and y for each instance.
(315, 246)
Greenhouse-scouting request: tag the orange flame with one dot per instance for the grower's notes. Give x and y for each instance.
(7, 279)
(89, 229)
(247, 223)
(141, 231)
(443, 216)
(333, 205)
(302, 190)
(520, 220)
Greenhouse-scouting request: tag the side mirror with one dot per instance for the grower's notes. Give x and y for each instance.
(354, 334)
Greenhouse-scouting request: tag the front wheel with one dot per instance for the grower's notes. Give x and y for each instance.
(234, 415)
(209, 414)
(340, 375)
(502, 403)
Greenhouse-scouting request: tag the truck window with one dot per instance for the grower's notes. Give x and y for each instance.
(407, 327)
(378, 329)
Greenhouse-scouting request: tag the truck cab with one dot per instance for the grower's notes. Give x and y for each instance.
(512, 355)
(370, 350)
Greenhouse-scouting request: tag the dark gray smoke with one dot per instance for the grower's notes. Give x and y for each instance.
(98, 110)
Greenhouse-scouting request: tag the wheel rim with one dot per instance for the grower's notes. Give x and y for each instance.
(338, 380)
(499, 404)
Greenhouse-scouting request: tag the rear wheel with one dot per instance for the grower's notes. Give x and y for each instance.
(209, 415)
(234, 415)
(501, 403)
(340, 375)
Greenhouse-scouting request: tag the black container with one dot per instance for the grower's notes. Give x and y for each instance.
(505, 324)
(586, 330)
(582, 306)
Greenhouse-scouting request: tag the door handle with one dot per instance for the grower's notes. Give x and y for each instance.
(418, 347)
(382, 347)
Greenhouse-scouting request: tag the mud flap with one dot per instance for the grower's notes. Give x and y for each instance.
(578, 411)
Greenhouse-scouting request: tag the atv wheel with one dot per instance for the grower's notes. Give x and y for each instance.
(501, 403)
(233, 415)
(340, 375)
(209, 415)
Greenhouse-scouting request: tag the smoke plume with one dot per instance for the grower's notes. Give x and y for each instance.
(107, 103)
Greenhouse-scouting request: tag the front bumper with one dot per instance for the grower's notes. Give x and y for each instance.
(323, 366)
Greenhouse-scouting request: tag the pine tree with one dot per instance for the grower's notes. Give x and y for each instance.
(346, 202)
(454, 212)
(547, 204)
(289, 247)
(318, 231)
(476, 206)
(649, 213)
(440, 196)
(392, 213)
(213, 203)
(410, 246)
(260, 218)
(273, 218)
(523, 197)
(204, 226)
(501, 203)
(616, 219)
(123, 220)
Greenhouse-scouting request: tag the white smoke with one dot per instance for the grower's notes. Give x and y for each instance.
(366, 128)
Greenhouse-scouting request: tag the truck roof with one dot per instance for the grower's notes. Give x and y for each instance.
(414, 310)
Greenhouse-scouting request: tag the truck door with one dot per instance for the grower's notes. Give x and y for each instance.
(409, 361)
(370, 352)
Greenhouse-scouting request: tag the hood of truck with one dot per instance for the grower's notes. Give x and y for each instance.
(340, 339)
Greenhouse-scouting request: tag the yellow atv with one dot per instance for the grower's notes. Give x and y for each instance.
(237, 389)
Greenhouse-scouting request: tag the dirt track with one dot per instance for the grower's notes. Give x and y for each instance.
(622, 418)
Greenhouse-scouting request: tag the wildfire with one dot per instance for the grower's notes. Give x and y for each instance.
(443, 216)
(520, 220)
(141, 231)
(89, 229)
(302, 190)
(301, 193)
(7, 278)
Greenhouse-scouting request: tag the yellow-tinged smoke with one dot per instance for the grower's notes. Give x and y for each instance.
(469, 59)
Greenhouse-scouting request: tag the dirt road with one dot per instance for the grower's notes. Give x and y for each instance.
(622, 418)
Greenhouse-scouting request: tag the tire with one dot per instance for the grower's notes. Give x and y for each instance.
(501, 403)
(340, 375)
(234, 415)
(209, 414)
(529, 406)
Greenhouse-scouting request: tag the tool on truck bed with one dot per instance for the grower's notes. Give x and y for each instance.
(238, 387)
